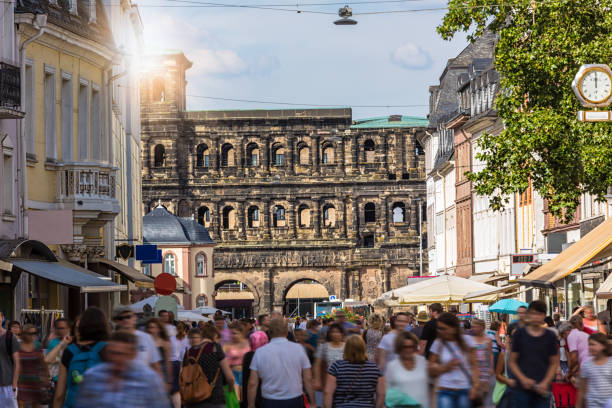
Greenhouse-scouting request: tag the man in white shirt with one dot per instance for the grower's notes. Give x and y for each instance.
(578, 345)
(386, 347)
(148, 353)
(283, 369)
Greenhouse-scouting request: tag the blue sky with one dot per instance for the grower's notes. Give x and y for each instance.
(241, 53)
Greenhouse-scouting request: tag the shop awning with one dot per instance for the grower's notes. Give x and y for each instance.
(129, 273)
(605, 290)
(594, 246)
(68, 274)
(497, 291)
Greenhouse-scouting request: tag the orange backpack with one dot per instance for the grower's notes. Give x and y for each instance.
(194, 385)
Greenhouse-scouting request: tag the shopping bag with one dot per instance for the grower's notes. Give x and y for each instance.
(498, 392)
(231, 400)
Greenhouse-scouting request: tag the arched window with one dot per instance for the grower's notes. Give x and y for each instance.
(203, 156)
(253, 217)
(252, 159)
(279, 216)
(304, 154)
(204, 216)
(370, 212)
(419, 151)
(328, 154)
(170, 264)
(278, 154)
(304, 216)
(201, 301)
(329, 215)
(227, 156)
(159, 154)
(229, 218)
(369, 148)
(159, 90)
(399, 213)
(201, 265)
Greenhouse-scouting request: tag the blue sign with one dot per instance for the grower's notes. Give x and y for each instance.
(146, 252)
(156, 260)
(332, 297)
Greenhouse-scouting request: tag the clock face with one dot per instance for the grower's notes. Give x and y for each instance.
(596, 86)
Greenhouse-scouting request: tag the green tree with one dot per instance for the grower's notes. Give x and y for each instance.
(541, 45)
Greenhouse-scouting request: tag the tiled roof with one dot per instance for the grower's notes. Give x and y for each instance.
(161, 227)
(390, 122)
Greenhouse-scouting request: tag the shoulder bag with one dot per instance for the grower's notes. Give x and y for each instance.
(478, 401)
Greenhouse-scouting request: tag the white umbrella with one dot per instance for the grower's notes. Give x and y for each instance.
(208, 310)
(138, 306)
(191, 316)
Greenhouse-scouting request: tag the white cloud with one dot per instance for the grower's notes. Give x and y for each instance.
(411, 56)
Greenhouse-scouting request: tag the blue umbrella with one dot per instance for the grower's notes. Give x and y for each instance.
(506, 306)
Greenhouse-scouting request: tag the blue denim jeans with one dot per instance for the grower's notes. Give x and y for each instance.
(522, 398)
(454, 399)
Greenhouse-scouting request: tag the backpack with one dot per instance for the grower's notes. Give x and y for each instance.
(194, 385)
(80, 363)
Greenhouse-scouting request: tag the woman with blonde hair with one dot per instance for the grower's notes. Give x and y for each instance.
(157, 330)
(354, 381)
(373, 334)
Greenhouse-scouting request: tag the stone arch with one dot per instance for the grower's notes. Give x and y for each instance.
(202, 155)
(227, 155)
(303, 154)
(253, 155)
(184, 209)
(285, 280)
(222, 277)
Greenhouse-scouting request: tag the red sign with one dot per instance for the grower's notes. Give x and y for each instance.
(165, 284)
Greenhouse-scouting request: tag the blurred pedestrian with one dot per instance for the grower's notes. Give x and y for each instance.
(421, 320)
(209, 355)
(148, 353)
(504, 375)
(33, 380)
(256, 340)
(122, 381)
(406, 376)
(55, 349)
(300, 338)
(453, 361)
(590, 322)
(348, 327)
(9, 369)
(157, 330)
(493, 334)
(224, 332)
(430, 330)
(386, 347)
(483, 351)
(596, 374)
(605, 318)
(533, 360)
(89, 340)
(373, 335)
(313, 334)
(180, 344)
(564, 331)
(283, 369)
(328, 353)
(15, 327)
(235, 351)
(578, 346)
(354, 381)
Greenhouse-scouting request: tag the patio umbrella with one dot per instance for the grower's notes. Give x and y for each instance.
(506, 306)
(191, 316)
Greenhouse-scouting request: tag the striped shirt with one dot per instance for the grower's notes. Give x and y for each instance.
(355, 384)
(599, 383)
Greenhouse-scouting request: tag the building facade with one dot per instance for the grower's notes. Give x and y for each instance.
(288, 195)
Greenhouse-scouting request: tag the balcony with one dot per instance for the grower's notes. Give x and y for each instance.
(87, 187)
(10, 91)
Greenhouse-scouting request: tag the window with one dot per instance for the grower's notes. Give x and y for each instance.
(399, 213)
(279, 216)
(253, 217)
(368, 241)
(7, 184)
(204, 216)
(419, 151)
(304, 154)
(370, 212)
(159, 153)
(252, 155)
(369, 148)
(96, 124)
(201, 265)
(159, 90)
(83, 121)
(201, 301)
(304, 216)
(50, 118)
(227, 156)
(229, 218)
(146, 269)
(67, 132)
(328, 154)
(278, 154)
(203, 157)
(170, 264)
(329, 215)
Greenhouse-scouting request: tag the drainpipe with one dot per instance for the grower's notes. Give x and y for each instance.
(39, 21)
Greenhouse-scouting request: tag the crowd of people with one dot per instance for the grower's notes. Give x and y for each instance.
(425, 360)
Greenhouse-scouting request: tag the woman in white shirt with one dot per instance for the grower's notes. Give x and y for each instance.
(453, 361)
(407, 375)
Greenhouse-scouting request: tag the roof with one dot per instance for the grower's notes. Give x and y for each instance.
(387, 122)
(161, 227)
(595, 245)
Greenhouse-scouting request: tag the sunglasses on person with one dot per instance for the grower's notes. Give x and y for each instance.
(31, 333)
(408, 347)
(123, 317)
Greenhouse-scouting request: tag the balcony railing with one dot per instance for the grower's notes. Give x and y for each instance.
(83, 182)
(10, 91)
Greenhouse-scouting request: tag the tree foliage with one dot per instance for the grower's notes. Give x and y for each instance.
(541, 45)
